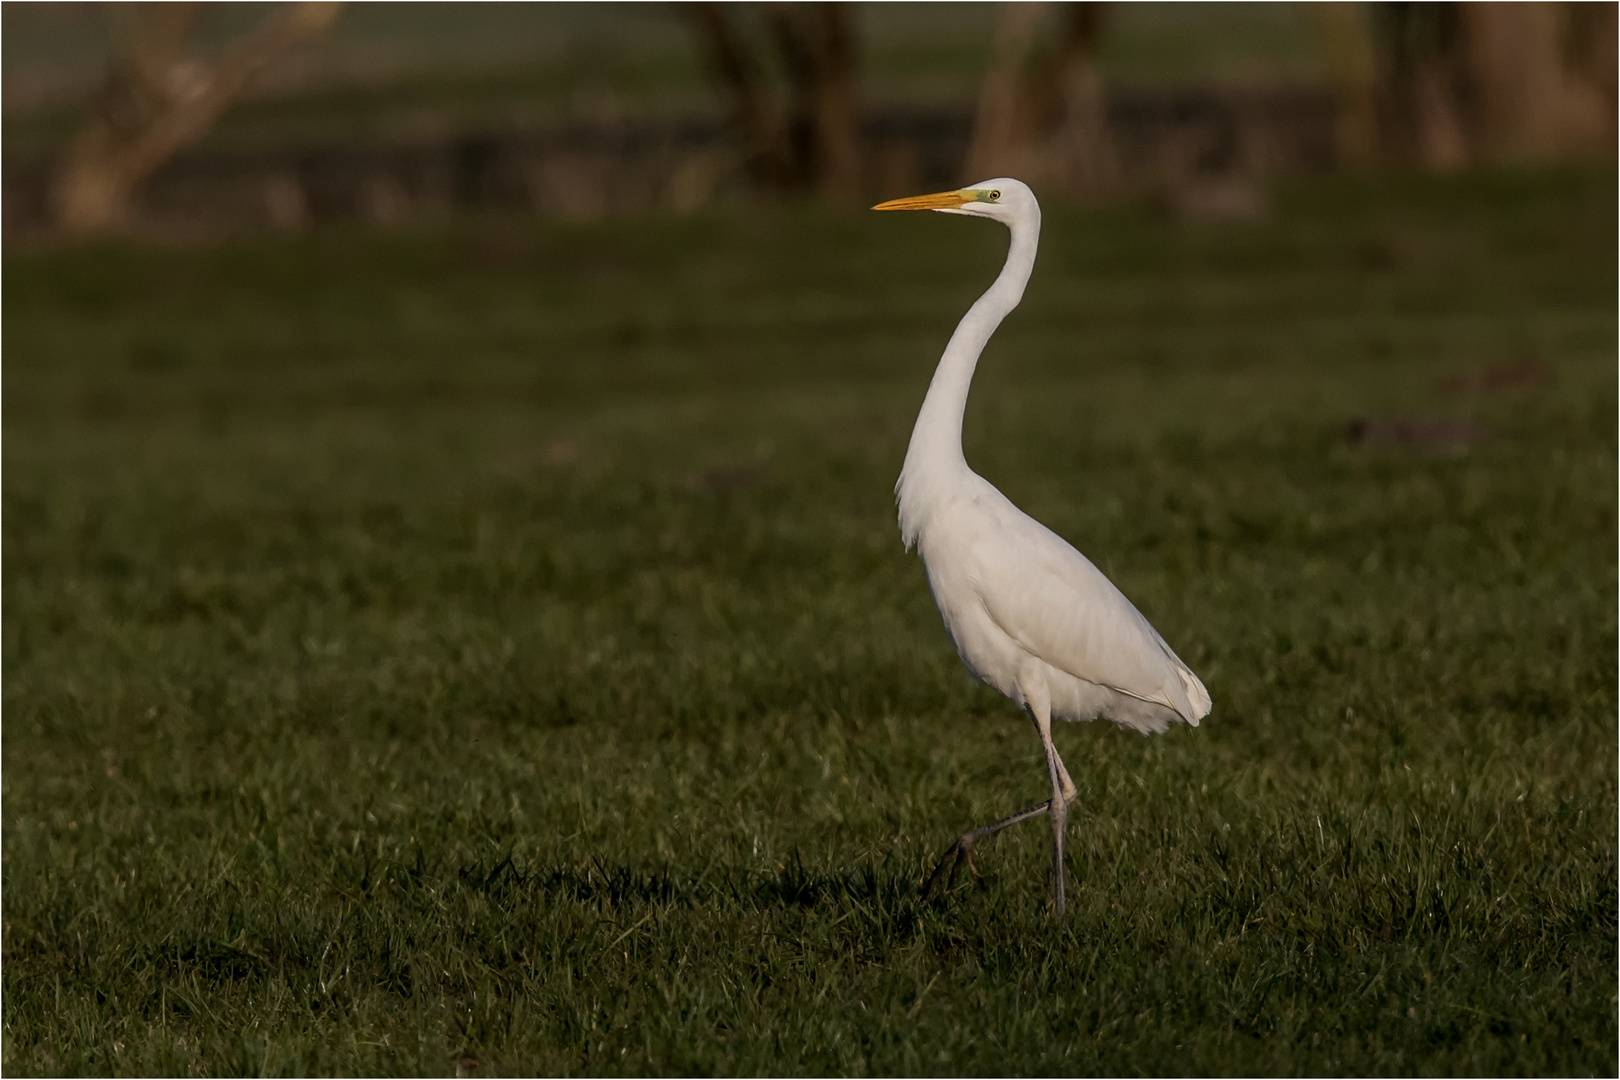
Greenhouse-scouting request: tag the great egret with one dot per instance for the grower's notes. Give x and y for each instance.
(1028, 614)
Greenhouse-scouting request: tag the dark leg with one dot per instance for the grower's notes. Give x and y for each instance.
(962, 851)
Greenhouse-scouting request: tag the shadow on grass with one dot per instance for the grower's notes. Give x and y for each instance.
(882, 887)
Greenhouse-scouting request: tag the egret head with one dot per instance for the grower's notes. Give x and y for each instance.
(1004, 199)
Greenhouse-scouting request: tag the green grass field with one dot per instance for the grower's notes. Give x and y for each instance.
(489, 648)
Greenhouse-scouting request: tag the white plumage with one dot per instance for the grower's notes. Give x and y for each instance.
(1029, 614)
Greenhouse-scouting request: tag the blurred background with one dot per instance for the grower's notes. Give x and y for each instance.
(186, 119)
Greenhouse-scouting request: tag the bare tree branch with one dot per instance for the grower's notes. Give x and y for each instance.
(155, 103)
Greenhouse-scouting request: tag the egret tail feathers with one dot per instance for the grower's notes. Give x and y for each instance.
(1198, 698)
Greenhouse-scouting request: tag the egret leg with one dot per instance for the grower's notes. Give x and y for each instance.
(1063, 793)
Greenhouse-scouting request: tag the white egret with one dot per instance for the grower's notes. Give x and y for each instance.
(1028, 614)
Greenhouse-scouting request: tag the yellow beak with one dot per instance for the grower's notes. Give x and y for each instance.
(943, 200)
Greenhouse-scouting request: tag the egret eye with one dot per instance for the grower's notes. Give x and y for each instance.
(994, 195)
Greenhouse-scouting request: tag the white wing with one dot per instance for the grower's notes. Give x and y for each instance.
(1060, 608)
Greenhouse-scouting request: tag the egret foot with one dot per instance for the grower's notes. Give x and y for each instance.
(962, 851)
(958, 853)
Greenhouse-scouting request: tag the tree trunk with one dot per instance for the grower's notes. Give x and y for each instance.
(1472, 82)
(817, 41)
(1592, 77)
(763, 137)
(1046, 121)
(814, 140)
(1002, 128)
(1422, 79)
(837, 116)
(1516, 71)
(1538, 79)
(1079, 153)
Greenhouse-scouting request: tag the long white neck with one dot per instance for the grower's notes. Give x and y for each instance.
(934, 464)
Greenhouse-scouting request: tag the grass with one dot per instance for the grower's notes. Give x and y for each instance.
(489, 648)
